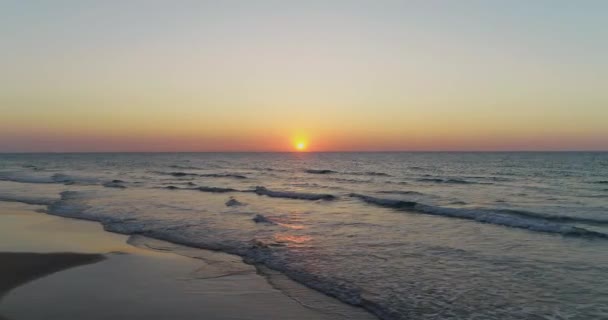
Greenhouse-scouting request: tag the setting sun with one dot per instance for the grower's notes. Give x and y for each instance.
(300, 146)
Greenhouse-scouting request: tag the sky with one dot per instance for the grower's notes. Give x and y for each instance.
(377, 75)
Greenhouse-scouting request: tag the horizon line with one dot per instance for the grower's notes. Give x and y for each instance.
(304, 152)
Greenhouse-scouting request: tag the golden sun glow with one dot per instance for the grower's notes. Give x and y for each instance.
(300, 145)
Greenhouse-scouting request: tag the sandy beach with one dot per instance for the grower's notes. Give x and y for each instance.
(58, 268)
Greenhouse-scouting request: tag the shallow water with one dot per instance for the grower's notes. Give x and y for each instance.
(405, 235)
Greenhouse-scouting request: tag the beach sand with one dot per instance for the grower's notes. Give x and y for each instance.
(57, 268)
(18, 268)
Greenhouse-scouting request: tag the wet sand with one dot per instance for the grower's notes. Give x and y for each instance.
(57, 268)
(18, 268)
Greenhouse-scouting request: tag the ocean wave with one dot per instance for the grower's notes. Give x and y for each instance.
(24, 178)
(176, 166)
(223, 175)
(417, 168)
(114, 184)
(69, 205)
(172, 183)
(320, 171)
(369, 173)
(346, 180)
(354, 173)
(401, 192)
(555, 218)
(508, 218)
(601, 182)
(180, 174)
(398, 182)
(232, 202)
(310, 185)
(383, 202)
(31, 166)
(449, 181)
(215, 189)
(378, 174)
(257, 252)
(458, 203)
(260, 218)
(203, 189)
(268, 169)
(293, 195)
(491, 178)
(63, 178)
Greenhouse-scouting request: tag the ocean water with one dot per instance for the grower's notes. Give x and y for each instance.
(404, 235)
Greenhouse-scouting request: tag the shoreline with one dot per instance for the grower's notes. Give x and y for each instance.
(72, 259)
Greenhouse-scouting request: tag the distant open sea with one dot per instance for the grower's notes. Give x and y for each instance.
(404, 235)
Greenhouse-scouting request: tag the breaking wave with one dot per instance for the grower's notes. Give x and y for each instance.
(223, 175)
(449, 181)
(354, 173)
(260, 218)
(321, 171)
(54, 178)
(208, 175)
(176, 166)
(370, 173)
(215, 189)
(510, 218)
(258, 252)
(293, 195)
(181, 174)
(269, 169)
(232, 202)
(401, 192)
(115, 184)
(345, 180)
(204, 189)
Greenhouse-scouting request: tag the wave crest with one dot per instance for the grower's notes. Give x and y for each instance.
(67, 179)
(320, 171)
(448, 181)
(180, 174)
(203, 189)
(292, 195)
(509, 218)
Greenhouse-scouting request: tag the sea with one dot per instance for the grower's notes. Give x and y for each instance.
(438, 235)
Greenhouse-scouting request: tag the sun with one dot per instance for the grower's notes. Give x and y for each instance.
(300, 145)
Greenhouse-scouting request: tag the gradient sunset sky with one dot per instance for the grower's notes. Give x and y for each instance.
(339, 75)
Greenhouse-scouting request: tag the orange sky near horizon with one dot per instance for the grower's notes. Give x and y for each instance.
(244, 76)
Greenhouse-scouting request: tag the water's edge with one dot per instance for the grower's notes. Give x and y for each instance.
(267, 272)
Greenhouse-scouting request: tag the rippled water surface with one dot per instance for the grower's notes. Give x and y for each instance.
(405, 235)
